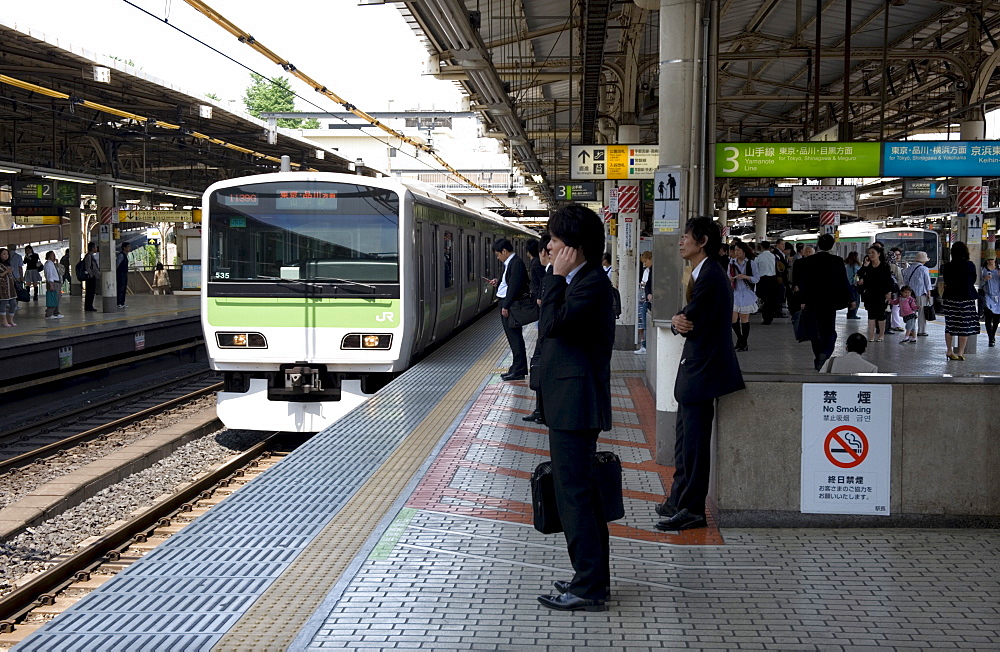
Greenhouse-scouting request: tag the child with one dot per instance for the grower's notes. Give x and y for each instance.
(908, 311)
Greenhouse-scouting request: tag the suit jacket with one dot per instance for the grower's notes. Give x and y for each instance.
(822, 281)
(91, 265)
(709, 367)
(536, 274)
(517, 281)
(577, 324)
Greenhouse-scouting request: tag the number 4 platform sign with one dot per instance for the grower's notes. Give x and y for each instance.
(846, 435)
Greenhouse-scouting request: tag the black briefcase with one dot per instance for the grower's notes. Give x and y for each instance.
(608, 476)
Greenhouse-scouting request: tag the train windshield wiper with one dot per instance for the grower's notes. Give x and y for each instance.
(317, 278)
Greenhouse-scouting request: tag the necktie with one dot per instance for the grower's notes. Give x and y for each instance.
(689, 291)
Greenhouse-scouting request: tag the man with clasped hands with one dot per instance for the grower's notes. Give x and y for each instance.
(577, 327)
(708, 369)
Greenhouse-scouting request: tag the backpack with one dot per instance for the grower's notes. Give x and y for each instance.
(81, 270)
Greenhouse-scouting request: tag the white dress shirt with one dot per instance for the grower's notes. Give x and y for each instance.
(502, 288)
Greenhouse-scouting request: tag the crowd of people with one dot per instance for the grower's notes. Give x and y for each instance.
(897, 296)
(23, 277)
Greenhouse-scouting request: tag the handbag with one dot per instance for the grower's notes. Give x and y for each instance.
(522, 312)
(23, 294)
(52, 298)
(804, 325)
(607, 477)
(929, 314)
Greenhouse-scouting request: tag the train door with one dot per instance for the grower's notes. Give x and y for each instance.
(428, 281)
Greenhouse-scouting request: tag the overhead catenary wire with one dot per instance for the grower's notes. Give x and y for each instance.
(247, 39)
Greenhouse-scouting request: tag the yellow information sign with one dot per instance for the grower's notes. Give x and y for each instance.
(37, 219)
(618, 161)
(139, 215)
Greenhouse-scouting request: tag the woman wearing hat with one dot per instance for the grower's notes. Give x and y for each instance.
(960, 296)
(990, 285)
(918, 277)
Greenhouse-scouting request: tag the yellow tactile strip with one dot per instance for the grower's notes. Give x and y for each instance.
(273, 622)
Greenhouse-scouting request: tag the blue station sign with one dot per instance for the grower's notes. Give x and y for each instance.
(941, 158)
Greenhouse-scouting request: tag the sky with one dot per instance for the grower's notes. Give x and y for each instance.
(365, 54)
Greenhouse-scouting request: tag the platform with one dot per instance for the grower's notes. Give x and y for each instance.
(40, 346)
(406, 525)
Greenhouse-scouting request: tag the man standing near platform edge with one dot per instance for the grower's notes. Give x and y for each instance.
(577, 327)
(708, 369)
(512, 286)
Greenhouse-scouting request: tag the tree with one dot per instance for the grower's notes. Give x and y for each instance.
(263, 96)
(213, 96)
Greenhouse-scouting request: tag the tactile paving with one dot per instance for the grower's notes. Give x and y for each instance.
(333, 491)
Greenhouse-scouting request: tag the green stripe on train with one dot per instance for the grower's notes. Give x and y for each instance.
(244, 312)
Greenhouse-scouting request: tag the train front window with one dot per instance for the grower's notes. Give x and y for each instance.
(910, 242)
(305, 231)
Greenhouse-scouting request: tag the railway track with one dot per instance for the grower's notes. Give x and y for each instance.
(51, 435)
(112, 551)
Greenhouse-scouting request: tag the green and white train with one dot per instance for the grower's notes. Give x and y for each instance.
(318, 288)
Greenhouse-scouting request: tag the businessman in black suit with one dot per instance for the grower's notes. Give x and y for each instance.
(708, 370)
(538, 250)
(823, 290)
(577, 325)
(512, 286)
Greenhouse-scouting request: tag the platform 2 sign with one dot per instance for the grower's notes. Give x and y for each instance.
(846, 449)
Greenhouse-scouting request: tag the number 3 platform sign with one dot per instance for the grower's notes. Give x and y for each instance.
(846, 438)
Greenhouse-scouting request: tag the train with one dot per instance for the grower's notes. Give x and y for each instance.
(319, 288)
(859, 236)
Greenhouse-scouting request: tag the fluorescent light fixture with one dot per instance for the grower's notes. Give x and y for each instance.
(9, 170)
(56, 177)
(183, 195)
(135, 188)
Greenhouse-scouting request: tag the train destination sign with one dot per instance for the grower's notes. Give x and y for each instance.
(586, 191)
(824, 198)
(765, 197)
(797, 160)
(924, 189)
(944, 158)
(622, 162)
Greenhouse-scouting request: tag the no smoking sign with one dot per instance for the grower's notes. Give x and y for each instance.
(846, 437)
(846, 447)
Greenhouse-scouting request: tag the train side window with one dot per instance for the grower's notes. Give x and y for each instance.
(488, 249)
(449, 271)
(470, 258)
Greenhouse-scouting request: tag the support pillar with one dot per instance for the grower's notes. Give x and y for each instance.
(760, 224)
(628, 259)
(971, 130)
(76, 248)
(681, 134)
(107, 247)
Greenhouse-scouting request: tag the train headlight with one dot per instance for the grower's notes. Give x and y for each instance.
(377, 341)
(240, 341)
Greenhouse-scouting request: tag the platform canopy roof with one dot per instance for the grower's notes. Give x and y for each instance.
(61, 111)
(546, 74)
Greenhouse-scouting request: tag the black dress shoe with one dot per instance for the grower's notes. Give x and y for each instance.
(665, 509)
(570, 602)
(90, 309)
(682, 520)
(510, 377)
(563, 587)
(534, 416)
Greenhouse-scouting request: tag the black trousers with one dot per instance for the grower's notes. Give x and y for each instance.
(90, 290)
(826, 326)
(580, 510)
(768, 289)
(992, 319)
(692, 456)
(122, 289)
(516, 341)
